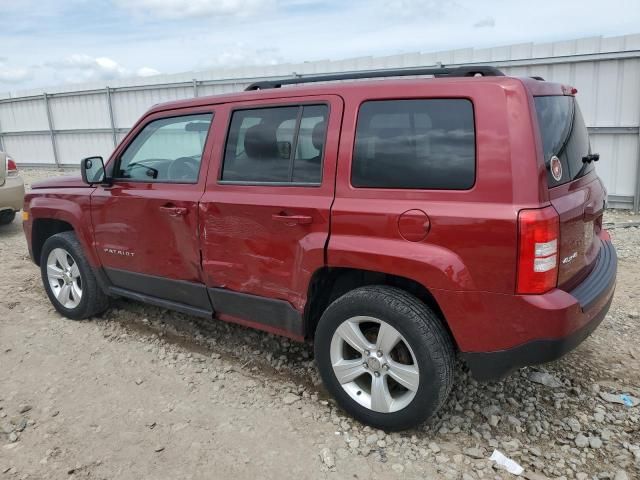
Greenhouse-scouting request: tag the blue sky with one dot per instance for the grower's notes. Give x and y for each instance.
(53, 42)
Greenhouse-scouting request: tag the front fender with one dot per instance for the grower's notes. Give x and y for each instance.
(73, 206)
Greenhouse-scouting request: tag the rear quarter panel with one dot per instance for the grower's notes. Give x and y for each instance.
(472, 241)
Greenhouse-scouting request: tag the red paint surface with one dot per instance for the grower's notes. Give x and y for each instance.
(413, 225)
(467, 260)
(246, 249)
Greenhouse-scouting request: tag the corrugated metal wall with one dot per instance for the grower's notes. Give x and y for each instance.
(60, 126)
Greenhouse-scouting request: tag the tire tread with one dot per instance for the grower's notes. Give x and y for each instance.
(433, 336)
(97, 301)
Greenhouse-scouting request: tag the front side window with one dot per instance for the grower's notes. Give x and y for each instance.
(167, 150)
(419, 144)
(276, 145)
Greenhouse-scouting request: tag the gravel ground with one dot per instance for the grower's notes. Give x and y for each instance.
(146, 393)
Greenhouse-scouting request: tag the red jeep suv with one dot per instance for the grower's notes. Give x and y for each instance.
(396, 223)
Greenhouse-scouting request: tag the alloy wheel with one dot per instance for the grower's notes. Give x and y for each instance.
(374, 364)
(64, 278)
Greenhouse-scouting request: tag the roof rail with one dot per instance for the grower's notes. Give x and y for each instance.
(484, 70)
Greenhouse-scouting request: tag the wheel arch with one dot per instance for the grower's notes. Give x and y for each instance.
(329, 283)
(55, 214)
(43, 229)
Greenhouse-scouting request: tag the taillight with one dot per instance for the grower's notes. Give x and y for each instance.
(12, 168)
(538, 238)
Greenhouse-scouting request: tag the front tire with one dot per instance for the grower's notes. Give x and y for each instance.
(385, 357)
(7, 216)
(68, 278)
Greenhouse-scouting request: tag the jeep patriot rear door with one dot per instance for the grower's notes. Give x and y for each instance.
(146, 222)
(266, 210)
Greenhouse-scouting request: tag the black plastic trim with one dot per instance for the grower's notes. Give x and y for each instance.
(266, 311)
(180, 292)
(600, 279)
(487, 366)
(484, 70)
(161, 302)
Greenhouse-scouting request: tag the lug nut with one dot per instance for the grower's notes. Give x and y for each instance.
(364, 364)
(377, 374)
(379, 353)
(367, 352)
(385, 366)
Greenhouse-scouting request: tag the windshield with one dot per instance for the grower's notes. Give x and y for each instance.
(564, 135)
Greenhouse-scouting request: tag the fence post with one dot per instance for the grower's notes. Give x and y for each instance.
(636, 198)
(111, 119)
(52, 133)
(195, 88)
(1, 140)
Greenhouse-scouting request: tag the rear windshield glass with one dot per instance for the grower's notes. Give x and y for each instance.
(564, 135)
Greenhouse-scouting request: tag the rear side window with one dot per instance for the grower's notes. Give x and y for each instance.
(276, 145)
(421, 144)
(564, 135)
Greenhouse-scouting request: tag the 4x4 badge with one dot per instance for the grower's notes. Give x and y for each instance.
(556, 168)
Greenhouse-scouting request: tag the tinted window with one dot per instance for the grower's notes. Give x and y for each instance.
(564, 135)
(168, 150)
(426, 144)
(280, 145)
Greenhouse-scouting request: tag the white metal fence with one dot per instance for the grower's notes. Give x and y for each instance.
(59, 126)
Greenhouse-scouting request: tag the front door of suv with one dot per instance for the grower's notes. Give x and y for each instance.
(146, 222)
(266, 210)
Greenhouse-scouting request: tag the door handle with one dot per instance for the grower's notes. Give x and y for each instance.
(174, 211)
(292, 220)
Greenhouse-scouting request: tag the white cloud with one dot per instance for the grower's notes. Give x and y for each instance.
(83, 68)
(147, 72)
(415, 8)
(10, 74)
(14, 75)
(241, 54)
(485, 22)
(195, 8)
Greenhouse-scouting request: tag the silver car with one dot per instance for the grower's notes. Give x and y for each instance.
(11, 189)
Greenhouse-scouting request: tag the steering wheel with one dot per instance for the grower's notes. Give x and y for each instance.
(183, 168)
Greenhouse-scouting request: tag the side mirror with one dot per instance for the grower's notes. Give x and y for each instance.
(92, 170)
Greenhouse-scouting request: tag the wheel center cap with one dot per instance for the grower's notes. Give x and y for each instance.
(374, 363)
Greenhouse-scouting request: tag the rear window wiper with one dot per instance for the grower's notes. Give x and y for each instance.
(587, 160)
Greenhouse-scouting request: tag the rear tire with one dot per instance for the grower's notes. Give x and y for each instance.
(68, 278)
(385, 357)
(7, 216)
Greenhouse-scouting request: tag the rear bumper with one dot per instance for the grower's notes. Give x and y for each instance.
(577, 313)
(12, 194)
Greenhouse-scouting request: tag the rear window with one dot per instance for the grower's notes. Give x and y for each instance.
(282, 145)
(421, 144)
(564, 135)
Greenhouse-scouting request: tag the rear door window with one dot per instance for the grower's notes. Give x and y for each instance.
(280, 145)
(564, 135)
(419, 144)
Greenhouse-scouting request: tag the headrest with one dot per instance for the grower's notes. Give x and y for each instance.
(260, 141)
(317, 135)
